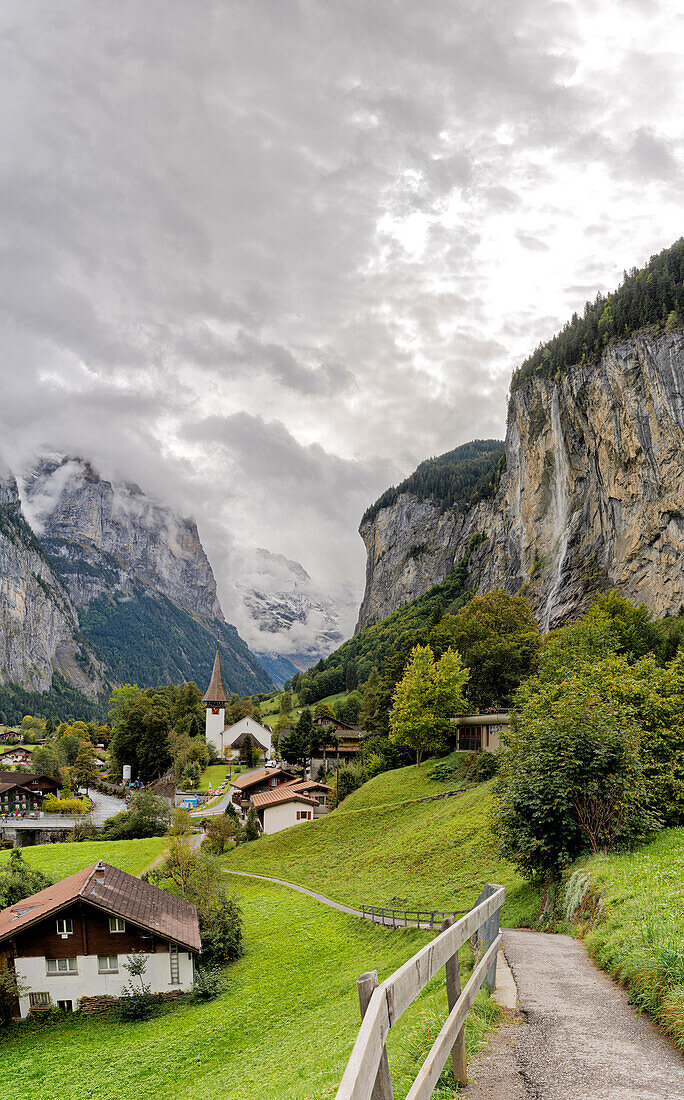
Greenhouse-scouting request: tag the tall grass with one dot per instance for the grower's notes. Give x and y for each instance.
(635, 928)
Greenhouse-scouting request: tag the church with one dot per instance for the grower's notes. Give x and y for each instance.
(227, 740)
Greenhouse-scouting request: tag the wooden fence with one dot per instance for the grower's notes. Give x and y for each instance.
(409, 918)
(367, 1076)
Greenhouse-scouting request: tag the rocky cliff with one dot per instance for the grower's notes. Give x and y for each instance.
(130, 577)
(39, 629)
(592, 496)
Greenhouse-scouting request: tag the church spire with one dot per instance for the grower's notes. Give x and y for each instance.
(215, 693)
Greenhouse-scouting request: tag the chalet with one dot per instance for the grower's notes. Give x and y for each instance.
(16, 757)
(68, 943)
(281, 807)
(263, 779)
(16, 799)
(227, 740)
(42, 784)
(481, 729)
(344, 749)
(289, 803)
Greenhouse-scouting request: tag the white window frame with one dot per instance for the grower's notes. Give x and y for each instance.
(65, 927)
(108, 960)
(53, 968)
(115, 922)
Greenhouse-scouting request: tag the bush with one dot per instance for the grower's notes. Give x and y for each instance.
(74, 806)
(221, 932)
(209, 983)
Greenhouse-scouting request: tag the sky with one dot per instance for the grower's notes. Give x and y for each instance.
(262, 257)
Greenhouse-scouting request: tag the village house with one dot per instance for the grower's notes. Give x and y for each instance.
(263, 779)
(16, 799)
(16, 757)
(481, 730)
(40, 784)
(289, 804)
(227, 740)
(68, 943)
(280, 808)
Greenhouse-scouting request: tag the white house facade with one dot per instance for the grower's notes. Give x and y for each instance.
(227, 740)
(68, 944)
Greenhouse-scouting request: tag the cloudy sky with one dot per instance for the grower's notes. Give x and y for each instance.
(264, 256)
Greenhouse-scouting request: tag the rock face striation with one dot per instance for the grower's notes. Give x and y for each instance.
(107, 586)
(592, 497)
(39, 629)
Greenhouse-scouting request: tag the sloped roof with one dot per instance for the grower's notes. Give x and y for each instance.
(27, 777)
(277, 796)
(215, 693)
(305, 785)
(9, 786)
(259, 776)
(253, 738)
(115, 892)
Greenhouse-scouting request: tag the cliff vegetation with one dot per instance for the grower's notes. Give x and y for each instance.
(459, 478)
(651, 297)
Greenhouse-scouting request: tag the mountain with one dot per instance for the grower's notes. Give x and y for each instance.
(138, 586)
(286, 610)
(590, 492)
(39, 626)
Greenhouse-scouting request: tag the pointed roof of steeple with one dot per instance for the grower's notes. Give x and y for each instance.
(216, 693)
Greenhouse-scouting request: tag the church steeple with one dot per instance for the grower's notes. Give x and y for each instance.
(215, 695)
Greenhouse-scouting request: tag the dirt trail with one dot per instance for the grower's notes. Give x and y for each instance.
(578, 1038)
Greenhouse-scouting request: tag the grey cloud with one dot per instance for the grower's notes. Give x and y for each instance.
(306, 212)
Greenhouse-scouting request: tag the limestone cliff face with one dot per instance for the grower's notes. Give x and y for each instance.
(38, 621)
(592, 496)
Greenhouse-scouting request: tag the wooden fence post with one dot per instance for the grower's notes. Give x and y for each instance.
(382, 1089)
(487, 933)
(453, 985)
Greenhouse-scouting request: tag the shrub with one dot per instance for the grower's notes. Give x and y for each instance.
(137, 1001)
(73, 806)
(209, 983)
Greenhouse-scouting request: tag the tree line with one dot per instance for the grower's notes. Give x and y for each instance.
(651, 297)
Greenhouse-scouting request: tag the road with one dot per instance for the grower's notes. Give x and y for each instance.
(579, 1038)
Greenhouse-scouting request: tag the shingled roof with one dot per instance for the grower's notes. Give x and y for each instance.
(259, 776)
(27, 777)
(215, 693)
(117, 893)
(280, 795)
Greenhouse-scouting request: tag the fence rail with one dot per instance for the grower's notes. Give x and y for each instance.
(409, 918)
(367, 1076)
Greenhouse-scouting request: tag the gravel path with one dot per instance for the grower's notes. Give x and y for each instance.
(579, 1038)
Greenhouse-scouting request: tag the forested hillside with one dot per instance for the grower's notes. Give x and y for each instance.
(460, 477)
(652, 296)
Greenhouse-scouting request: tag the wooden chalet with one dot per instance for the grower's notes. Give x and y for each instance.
(41, 784)
(16, 800)
(263, 779)
(68, 943)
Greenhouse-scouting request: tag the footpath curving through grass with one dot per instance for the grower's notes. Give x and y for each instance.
(282, 1031)
(383, 848)
(637, 933)
(61, 860)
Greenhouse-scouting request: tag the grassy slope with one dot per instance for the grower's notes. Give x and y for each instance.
(216, 773)
(639, 937)
(381, 849)
(60, 860)
(283, 1031)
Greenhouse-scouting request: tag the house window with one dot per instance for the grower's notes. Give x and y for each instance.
(65, 1006)
(39, 1000)
(65, 927)
(116, 924)
(62, 966)
(108, 964)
